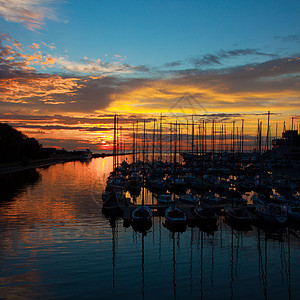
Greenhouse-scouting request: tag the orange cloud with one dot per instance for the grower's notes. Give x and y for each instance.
(18, 60)
(171, 96)
(18, 45)
(38, 89)
(37, 56)
(48, 61)
(34, 46)
(51, 47)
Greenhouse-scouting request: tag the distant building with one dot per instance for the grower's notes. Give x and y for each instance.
(288, 147)
(86, 155)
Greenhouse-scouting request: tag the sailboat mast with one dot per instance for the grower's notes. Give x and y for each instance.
(220, 138)
(225, 138)
(153, 145)
(144, 144)
(233, 132)
(171, 142)
(187, 136)
(114, 144)
(133, 144)
(213, 138)
(175, 150)
(205, 139)
(160, 139)
(256, 145)
(268, 132)
(179, 142)
(117, 148)
(192, 137)
(242, 136)
(202, 156)
(121, 140)
(175, 146)
(260, 139)
(233, 158)
(237, 139)
(198, 137)
(137, 140)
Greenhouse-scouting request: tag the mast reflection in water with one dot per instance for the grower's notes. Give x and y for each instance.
(56, 243)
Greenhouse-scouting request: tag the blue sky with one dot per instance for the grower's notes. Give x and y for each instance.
(83, 59)
(158, 32)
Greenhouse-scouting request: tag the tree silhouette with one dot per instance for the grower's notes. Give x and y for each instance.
(16, 146)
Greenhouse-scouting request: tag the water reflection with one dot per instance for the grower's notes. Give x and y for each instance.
(143, 267)
(262, 266)
(15, 183)
(114, 252)
(56, 243)
(175, 227)
(143, 227)
(174, 265)
(243, 227)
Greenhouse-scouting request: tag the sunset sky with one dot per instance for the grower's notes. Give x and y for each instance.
(66, 67)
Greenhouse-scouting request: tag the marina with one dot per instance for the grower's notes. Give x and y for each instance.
(246, 187)
(54, 218)
(149, 150)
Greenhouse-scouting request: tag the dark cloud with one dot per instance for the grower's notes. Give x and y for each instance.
(58, 127)
(173, 64)
(280, 74)
(206, 60)
(95, 94)
(288, 38)
(243, 52)
(140, 68)
(216, 59)
(60, 122)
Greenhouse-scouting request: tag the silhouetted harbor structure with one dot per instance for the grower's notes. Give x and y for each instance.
(288, 147)
(242, 185)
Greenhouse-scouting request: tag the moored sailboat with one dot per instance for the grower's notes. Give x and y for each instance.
(205, 215)
(142, 214)
(237, 214)
(175, 216)
(189, 198)
(270, 212)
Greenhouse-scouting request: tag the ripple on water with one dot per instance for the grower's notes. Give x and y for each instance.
(55, 243)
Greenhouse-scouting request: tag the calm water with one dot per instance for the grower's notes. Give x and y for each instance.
(56, 244)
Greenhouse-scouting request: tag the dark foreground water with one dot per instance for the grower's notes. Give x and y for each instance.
(56, 244)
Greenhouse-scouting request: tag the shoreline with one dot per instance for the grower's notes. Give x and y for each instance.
(46, 162)
(30, 165)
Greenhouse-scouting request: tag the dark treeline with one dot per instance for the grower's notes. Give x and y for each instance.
(16, 146)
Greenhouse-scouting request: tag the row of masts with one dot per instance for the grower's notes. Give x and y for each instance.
(193, 137)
